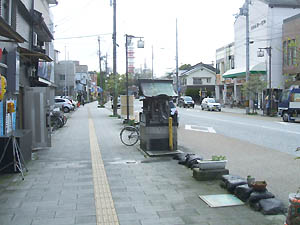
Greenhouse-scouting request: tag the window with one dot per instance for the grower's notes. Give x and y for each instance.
(208, 80)
(62, 77)
(232, 62)
(197, 80)
(291, 52)
(294, 52)
(218, 67)
(295, 97)
(5, 6)
(284, 53)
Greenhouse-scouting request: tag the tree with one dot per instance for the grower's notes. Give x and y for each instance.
(185, 66)
(255, 85)
(193, 92)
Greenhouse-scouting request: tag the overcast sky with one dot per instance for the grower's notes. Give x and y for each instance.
(203, 26)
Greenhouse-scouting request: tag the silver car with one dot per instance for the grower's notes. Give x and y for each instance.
(64, 104)
(210, 104)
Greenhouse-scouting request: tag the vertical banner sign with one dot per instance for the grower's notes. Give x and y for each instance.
(14, 114)
(10, 117)
(1, 119)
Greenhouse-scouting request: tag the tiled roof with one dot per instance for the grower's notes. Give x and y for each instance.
(207, 66)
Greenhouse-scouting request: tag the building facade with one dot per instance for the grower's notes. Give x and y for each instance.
(200, 76)
(224, 62)
(26, 31)
(291, 52)
(265, 31)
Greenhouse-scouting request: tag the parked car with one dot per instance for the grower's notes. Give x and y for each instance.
(186, 101)
(174, 111)
(73, 102)
(289, 105)
(210, 104)
(64, 104)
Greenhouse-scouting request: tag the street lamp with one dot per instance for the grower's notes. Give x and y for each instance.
(140, 44)
(260, 53)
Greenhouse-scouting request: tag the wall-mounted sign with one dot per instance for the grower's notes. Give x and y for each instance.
(257, 25)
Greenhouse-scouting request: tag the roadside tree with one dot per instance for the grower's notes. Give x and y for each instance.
(255, 85)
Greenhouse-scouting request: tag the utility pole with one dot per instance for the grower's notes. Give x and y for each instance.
(115, 57)
(65, 92)
(247, 53)
(152, 64)
(269, 50)
(106, 69)
(127, 97)
(101, 82)
(177, 80)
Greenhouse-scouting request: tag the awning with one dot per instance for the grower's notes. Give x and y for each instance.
(259, 68)
(8, 32)
(33, 54)
(154, 88)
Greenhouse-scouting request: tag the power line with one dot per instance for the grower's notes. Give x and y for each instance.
(86, 36)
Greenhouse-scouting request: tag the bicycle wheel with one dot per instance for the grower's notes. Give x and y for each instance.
(129, 135)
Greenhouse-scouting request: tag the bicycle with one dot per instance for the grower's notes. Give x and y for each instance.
(130, 135)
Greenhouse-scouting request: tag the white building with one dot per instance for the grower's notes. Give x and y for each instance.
(200, 76)
(224, 62)
(265, 30)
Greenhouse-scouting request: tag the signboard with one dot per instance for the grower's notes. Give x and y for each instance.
(45, 70)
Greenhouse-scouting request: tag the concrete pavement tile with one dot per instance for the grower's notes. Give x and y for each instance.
(173, 213)
(84, 195)
(137, 216)
(42, 203)
(195, 220)
(160, 202)
(58, 207)
(6, 218)
(70, 213)
(118, 189)
(163, 221)
(11, 205)
(130, 222)
(85, 205)
(23, 221)
(54, 221)
(133, 204)
(153, 208)
(155, 197)
(125, 210)
(85, 219)
(121, 199)
(85, 187)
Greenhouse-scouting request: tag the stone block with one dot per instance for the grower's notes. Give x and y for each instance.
(204, 175)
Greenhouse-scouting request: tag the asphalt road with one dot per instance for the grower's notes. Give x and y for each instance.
(273, 134)
(262, 147)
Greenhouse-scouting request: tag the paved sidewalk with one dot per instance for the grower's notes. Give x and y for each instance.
(88, 177)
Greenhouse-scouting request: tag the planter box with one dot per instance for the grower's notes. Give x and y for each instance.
(211, 165)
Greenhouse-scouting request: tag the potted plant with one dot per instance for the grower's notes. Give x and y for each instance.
(293, 217)
(216, 162)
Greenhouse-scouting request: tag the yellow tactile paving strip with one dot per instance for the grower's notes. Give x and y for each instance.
(105, 209)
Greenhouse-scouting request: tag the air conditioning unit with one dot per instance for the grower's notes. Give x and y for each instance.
(35, 39)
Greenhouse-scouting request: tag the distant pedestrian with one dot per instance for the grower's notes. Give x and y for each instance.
(82, 101)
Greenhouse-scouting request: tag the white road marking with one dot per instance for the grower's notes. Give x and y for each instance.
(246, 124)
(283, 123)
(200, 128)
